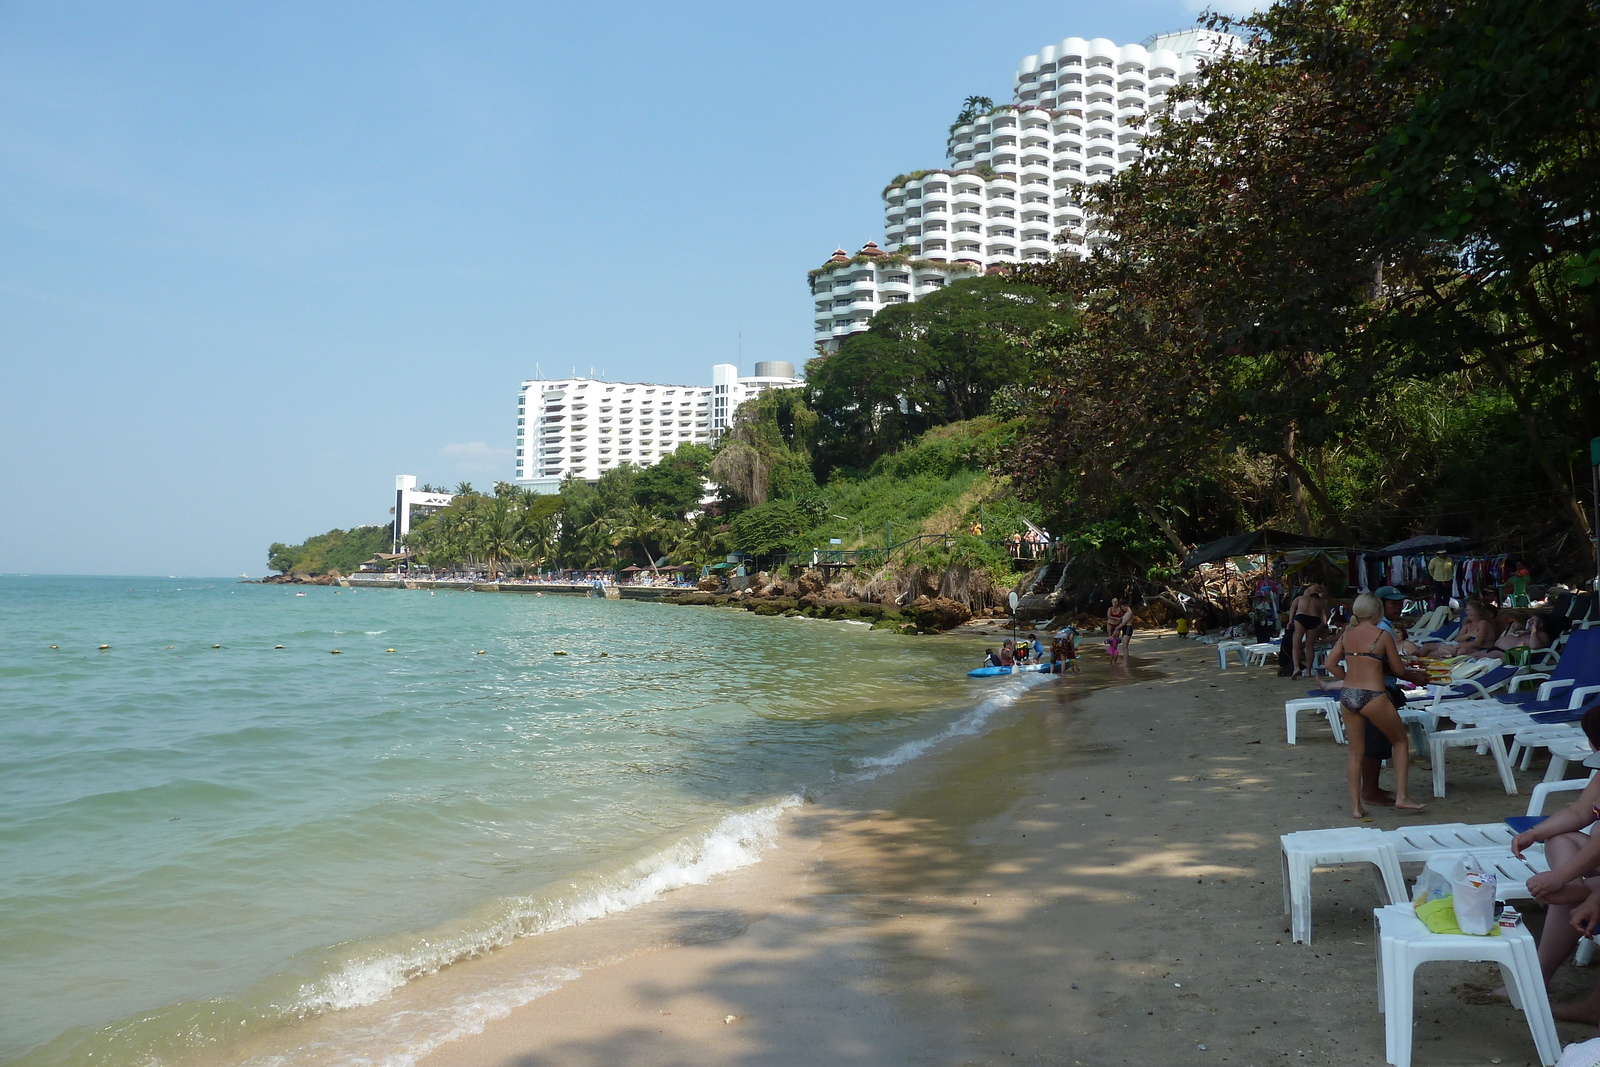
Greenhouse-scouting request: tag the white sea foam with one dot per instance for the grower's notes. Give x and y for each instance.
(409, 1035)
(738, 840)
(967, 725)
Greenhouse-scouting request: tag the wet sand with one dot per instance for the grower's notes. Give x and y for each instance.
(1093, 881)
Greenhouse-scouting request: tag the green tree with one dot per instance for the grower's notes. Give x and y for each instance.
(938, 360)
(770, 527)
(640, 526)
(674, 485)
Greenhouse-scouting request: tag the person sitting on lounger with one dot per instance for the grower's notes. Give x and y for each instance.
(1477, 633)
(1570, 889)
(1368, 653)
(1531, 635)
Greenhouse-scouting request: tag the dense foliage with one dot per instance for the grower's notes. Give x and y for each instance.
(935, 361)
(1358, 295)
(336, 550)
(1354, 296)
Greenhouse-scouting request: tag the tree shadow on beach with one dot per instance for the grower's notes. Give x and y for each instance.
(1087, 883)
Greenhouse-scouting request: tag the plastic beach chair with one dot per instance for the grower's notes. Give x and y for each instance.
(1578, 668)
(1305, 850)
(1322, 705)
(1405, 942)
(1235, 647)
(1489, 737)
(1478, 686)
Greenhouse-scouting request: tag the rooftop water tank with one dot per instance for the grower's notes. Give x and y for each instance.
(774, 368)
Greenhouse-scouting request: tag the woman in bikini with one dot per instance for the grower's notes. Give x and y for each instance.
(1366, 650)
(1307, 616)
(1478, 632)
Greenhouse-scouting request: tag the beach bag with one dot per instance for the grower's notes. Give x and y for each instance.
(1472, 887)
(1433, 883)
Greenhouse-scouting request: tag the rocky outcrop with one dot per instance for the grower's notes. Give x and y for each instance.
(332, 578)
(938, 613)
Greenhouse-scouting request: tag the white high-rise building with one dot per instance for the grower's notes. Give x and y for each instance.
(585, 427)
(1079, 112)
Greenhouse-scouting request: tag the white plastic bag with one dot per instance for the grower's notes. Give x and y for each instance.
(1473, 887)
(1434, 881)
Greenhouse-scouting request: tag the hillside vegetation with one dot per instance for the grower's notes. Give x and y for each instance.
(1347, 299)
(336, 550)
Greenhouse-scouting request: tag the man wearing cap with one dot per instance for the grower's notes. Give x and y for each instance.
(1442, 569)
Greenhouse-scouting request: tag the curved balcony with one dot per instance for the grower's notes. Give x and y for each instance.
(1100, 170)
(1002, 251)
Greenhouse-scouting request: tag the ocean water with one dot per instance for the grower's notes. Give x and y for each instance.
(201, 847)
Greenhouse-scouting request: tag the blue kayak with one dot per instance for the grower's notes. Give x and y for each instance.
(990, 672)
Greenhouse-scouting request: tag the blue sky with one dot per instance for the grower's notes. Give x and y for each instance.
(261, 258)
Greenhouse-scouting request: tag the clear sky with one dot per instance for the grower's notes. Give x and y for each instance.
(260, 258)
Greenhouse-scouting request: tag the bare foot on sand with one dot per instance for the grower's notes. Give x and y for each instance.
(1382, 799)
(1359, 813)
(1407, 804)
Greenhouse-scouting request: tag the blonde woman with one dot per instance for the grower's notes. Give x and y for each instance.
(1367, 650)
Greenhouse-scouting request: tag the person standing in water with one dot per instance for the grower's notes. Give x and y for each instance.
(1119, 624)
(1368, 653)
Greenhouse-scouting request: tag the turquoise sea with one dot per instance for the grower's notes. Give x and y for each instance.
(201, 845)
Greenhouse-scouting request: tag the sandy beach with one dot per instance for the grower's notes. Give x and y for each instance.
(1095, 880)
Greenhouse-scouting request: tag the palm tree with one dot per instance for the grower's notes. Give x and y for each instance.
(971, 108)
(639, 524)
(700, 541)
(596, 537)
(497, 533)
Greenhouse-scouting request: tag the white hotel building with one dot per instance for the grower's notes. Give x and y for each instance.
(1014, 190)
(585, 427)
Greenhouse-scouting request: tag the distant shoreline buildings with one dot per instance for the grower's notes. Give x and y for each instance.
(1013, 194)
(585, 427)
(1014, 191)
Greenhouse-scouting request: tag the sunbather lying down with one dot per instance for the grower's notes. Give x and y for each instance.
(1532, 635)
(1478, 632)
